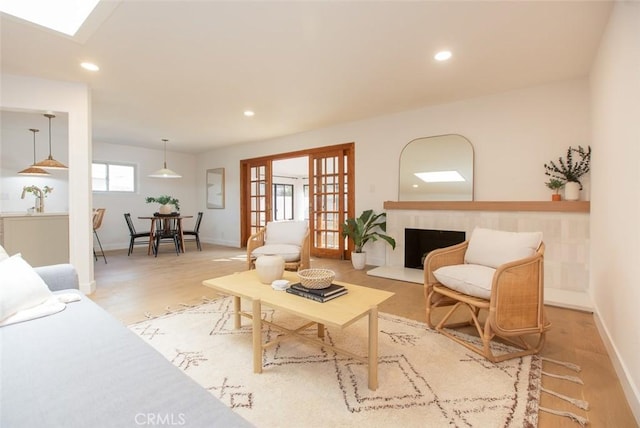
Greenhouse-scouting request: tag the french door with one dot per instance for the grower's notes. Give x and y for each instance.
(256, 188)
(331, 196)
(330, 201)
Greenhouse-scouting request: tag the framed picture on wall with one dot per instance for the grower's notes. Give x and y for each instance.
(215, 188)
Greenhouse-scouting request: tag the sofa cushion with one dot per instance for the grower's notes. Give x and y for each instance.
(3, 254)
(20, 287)
(290, 253)
(285, 232)
(470, 279)
(493, 248)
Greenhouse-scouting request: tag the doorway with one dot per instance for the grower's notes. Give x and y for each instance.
(322, 194)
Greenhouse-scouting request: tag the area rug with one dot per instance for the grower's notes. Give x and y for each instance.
(425, 379)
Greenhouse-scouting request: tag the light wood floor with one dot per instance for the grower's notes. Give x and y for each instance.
(130, 286)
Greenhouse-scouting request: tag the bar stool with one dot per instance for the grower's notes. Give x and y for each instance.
(98, 214)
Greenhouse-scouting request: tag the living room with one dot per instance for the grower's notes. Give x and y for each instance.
(513, 134)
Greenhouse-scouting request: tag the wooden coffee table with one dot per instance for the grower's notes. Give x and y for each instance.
(340, 312)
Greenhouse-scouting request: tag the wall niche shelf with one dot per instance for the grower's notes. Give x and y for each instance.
(552, 206)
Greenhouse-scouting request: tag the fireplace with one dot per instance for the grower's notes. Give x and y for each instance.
(419, 242)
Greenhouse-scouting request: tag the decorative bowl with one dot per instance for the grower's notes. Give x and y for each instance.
(316, 278)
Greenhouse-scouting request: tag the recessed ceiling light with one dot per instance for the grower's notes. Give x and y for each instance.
(442, 55)
(439, 176)
(89, 66)
(249, 113)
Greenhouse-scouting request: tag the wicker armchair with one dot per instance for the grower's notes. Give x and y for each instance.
(508, 304)
(289, 239)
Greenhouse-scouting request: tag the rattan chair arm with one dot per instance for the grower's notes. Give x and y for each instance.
(517, 296)
(305, 252)
(256, 240)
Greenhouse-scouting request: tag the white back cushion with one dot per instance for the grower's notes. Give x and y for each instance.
(285, 232)
(493, 248)
(20, 287)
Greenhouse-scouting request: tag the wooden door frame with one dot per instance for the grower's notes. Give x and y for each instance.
(245, 165)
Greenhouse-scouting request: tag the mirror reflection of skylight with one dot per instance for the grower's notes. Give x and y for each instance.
(64, 16)
(439, 176)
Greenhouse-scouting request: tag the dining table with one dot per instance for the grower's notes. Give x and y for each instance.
(165, 219)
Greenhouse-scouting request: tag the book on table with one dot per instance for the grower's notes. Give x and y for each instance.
(316, 297)
(324, 292)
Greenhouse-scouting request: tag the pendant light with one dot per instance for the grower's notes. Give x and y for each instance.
(165, 172)
(33, 170)
(50, 162)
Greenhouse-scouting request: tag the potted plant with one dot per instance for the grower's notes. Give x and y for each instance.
(166, 202)
(570, 171)
(367, 227)
(555, 185)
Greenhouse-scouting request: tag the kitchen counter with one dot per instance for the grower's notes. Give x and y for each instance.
(41, 238)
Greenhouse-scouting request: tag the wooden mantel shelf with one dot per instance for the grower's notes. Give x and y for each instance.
(554, 206)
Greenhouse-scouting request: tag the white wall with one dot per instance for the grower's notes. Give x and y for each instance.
(513, 134)
(615, 210)
(30, 94)
(113, 232)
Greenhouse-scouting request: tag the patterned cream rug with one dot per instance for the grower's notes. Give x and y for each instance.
(426, 380)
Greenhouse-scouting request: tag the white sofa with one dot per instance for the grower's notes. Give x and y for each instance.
(79, 367)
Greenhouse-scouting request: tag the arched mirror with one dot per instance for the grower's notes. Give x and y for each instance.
(438, 168)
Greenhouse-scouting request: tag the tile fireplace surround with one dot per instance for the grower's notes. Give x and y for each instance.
(564, 225)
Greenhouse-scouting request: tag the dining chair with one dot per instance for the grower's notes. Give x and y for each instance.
(133, 235)
(166, 229)
(195, 232)
(98, 215)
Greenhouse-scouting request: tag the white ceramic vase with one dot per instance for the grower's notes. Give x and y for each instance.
(165, 209)
(358, 260)
(269, 268)
(572, 191)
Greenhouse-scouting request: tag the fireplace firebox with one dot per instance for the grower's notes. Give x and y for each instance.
(419, 242)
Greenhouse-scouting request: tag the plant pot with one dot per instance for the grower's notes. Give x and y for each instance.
(556, 197)
(358, 260)
(269, 268)
(572, 191)
(165, 209)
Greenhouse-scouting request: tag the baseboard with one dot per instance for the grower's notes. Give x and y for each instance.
(630, 390)
(88, 288)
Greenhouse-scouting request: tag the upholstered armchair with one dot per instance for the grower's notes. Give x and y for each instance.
(289, 239)
(498, 278)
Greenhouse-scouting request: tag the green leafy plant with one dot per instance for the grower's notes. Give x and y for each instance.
(569, 170)
(555, 184)
(34, 189)
(164, 200)
(367, 227)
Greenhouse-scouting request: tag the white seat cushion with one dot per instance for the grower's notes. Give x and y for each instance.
(285, 232)
(290, 253)
(493, 248)
(470, 279)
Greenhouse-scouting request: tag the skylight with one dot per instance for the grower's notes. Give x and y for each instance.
(440, 176)
(64, 16)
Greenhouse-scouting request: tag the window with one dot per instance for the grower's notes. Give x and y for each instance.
(113, 177)
(283, 201)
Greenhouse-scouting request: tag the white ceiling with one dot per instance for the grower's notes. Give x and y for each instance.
(186, 70)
